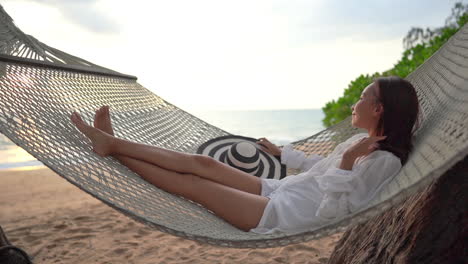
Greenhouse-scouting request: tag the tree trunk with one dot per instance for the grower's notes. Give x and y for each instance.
(430, 226)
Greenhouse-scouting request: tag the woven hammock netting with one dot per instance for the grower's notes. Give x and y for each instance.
(41, 86)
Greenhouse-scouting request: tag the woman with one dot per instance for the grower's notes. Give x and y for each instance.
(329, 187)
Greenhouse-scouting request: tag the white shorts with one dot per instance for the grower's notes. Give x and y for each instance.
(292, 205)
(268, 189)
(269, 186)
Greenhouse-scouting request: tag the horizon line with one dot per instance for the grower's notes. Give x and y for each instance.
(243, 110)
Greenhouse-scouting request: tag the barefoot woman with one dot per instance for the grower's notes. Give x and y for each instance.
(328, 187)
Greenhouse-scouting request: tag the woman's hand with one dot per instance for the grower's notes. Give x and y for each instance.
(269, 147)
(363, 147)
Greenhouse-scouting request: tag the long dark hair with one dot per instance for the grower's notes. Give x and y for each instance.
(400, 118)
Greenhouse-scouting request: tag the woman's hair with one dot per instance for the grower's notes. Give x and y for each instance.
(400, 118)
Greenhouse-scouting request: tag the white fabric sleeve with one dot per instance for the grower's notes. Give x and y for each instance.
(340, 148)
(347, 190)
(297, 159)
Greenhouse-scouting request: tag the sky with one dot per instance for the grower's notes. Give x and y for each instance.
(233, 55)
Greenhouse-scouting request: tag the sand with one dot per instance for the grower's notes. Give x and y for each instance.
(55, 222)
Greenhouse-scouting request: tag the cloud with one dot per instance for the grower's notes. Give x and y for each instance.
(84, 13)
(364, 19)
(270, 54)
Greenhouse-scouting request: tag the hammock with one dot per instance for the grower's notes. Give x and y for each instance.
(40, 87)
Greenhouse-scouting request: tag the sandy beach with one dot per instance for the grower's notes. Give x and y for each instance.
(55, 222)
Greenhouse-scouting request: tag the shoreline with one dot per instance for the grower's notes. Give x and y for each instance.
(19, 166)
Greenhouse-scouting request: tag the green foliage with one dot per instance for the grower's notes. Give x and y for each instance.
(413, 56)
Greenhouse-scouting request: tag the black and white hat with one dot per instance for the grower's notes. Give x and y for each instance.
(244, 154)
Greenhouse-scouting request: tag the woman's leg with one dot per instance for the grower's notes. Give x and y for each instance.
(203, 166)
(241, 209)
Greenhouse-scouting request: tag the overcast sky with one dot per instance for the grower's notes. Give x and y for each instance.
(239, 54)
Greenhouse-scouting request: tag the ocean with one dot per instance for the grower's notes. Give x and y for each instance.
(279, 126)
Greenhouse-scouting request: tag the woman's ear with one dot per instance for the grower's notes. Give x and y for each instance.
(378, 110)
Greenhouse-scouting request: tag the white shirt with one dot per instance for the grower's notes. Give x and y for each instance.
(322, 192)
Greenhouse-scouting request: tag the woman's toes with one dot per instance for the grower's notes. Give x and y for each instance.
(79, 123)
(99, 139)
(80, 120)
(74, 118)
(102, 111)
(98, 121)
(96, 116)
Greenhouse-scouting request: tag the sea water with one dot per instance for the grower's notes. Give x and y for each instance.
(279, 126)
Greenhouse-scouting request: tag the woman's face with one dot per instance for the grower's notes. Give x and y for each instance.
(368, 109)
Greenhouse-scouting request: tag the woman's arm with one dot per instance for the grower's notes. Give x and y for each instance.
(362, 148)
(347, 161)
(297, 159)
(288, 156)
(346, 190)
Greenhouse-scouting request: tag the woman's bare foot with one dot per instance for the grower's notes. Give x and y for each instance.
(101, 141)
(102, 120)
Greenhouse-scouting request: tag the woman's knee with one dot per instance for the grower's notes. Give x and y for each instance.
(202, 161)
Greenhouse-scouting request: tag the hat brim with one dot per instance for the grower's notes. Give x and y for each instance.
(217, 147)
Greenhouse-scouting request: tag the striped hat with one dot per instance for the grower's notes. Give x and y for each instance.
(243, 153)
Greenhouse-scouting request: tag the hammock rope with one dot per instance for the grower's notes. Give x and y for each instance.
(41, 86)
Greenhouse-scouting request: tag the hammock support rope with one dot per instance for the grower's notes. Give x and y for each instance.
(41, 86)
